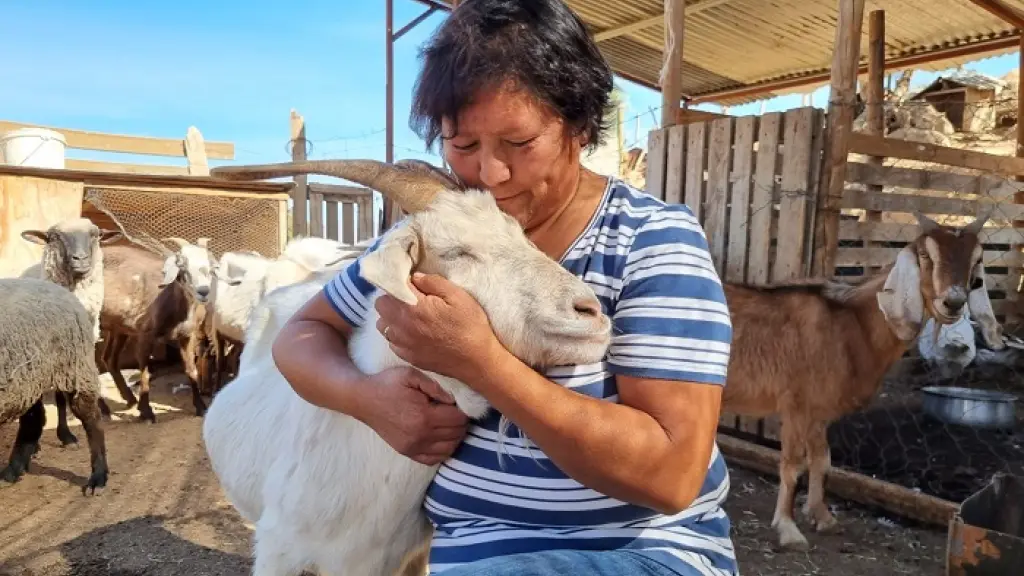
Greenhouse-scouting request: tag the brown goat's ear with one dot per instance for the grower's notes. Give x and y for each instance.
(900, 299)
(980, 308)
(390, 265)
(34, 236)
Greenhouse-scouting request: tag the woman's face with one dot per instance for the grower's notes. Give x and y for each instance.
(518, 150)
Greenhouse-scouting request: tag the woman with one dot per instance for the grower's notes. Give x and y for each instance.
(628, 479)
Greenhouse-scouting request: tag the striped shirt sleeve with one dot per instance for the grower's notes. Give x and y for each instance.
(349, 294)
(671, 319)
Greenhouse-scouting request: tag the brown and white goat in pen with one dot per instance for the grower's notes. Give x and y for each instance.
(812, 352)
(149, 297)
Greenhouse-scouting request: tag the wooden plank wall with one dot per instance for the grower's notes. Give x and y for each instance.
(342, 213)
(752, 182)
(917, 177)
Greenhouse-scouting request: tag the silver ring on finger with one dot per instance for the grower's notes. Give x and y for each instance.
(385, 333)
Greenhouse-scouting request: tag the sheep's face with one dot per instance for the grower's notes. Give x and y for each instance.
(539, 311)
(936, 275)
(73, 245)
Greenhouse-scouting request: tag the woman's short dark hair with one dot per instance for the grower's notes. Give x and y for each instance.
(540, 45)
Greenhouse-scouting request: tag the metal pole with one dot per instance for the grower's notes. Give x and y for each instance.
(389, 105)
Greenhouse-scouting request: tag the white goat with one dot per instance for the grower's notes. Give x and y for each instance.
(950, 347)
(241, 280)
(323, 489)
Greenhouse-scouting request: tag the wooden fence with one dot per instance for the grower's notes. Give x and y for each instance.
(752, 183)
(327, 210)
(755, 184)
(951, 186)
(192, 148)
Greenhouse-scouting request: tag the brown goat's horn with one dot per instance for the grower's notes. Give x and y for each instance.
(409, 186)
(181, 242)
(925, 222)
(979, 222)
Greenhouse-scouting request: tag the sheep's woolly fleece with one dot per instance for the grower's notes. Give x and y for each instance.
(45, 344)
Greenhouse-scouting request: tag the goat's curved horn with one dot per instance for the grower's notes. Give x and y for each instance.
(925, 222)
(181, 242)
(979, 222)
(410, 187)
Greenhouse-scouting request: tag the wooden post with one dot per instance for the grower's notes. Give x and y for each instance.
(672, 76)
(299, 193)
(1018, 198)
(842, 99)
(875, 100)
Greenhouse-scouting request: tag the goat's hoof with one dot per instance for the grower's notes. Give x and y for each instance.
(96, 483)
(10, 475)
(790, 538)
(67, 440)
(825, 523)
(149, 418)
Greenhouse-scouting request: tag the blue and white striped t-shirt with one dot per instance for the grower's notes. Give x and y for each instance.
(649, 264)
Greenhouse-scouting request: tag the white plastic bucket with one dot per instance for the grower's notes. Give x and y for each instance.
(36, 147)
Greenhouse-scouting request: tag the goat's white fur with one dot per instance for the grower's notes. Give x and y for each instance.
(323, 489)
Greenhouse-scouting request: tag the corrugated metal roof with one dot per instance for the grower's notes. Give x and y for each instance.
(966, 78)
(731, 45)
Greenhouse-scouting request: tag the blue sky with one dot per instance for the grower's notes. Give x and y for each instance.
(235, 69)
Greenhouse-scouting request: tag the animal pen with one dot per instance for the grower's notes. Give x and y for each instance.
(794, 194)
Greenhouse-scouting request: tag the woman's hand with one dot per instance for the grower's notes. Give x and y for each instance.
(446, 332)
(413, 414)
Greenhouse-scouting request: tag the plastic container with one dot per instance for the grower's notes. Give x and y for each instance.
(36, 147)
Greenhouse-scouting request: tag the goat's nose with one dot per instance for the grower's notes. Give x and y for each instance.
(588, 307)
(203, 291)
(954, 303)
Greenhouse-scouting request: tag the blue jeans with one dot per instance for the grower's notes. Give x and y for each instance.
(565, 563)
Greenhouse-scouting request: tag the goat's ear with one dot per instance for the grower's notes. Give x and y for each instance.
(170, 271)
(225, 278)
(390, 265)
(900, 299)
(108, 236)
(34, 236)
(980, 308)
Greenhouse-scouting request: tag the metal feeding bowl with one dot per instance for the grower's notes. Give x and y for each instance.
(970, 407)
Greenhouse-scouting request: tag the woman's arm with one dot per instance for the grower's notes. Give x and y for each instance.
(651, 449)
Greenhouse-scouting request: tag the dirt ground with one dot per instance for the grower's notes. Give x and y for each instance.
(163, 514)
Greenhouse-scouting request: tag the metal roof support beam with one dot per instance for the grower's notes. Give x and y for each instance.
(391, 212)
(652, 20)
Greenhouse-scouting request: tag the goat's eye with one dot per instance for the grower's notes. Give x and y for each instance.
(454, 253)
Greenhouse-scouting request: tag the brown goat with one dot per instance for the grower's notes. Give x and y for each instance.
(812, 352)
(149, 298)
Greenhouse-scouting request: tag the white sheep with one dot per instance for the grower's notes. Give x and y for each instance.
(323, 489)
